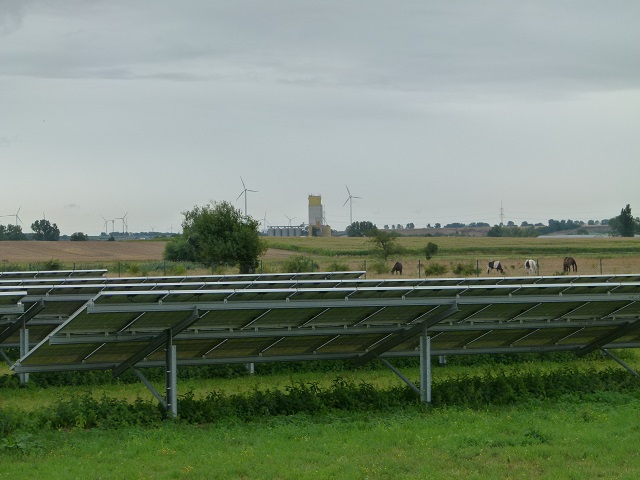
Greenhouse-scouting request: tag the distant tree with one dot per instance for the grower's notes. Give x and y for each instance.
(437, 225)
(360, 229)
(430, 250)
(218, 233)
(11, 232)
(455, 225)
(410, 226)
(78, 237)
(510, 223)
(45, 230)
(384, 243)
(624, 224)
(386, 227)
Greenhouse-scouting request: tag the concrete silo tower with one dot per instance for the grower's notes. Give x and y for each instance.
(317, 227)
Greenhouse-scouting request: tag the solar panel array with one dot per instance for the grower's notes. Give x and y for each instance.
(119, 324)
(45, 300)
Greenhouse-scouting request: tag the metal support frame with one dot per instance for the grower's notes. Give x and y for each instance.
(612, 356)
(21, 321)
(172, 377)
(6, 358)
(24, 348)
(425, 369)
(404, 335)
(155, 393)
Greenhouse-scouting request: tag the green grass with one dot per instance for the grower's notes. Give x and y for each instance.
(595, 437)
(572, 436)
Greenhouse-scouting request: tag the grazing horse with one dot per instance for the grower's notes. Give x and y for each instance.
(397, 268)
(495, 264)
(568, 264)
(530, 266)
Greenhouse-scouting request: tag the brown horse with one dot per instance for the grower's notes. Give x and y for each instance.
(397, 268)
(568, 264)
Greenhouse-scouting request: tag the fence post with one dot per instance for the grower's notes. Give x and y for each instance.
(601, 266)
(477, 267)
(419, 268)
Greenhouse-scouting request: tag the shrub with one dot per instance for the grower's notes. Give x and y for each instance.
(464, 269)
(299, 263)
(435, 269)
(380, 267)
(338, 267)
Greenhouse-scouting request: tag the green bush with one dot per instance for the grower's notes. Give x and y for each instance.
(435, 269)
(379, 267)
(464, 269)
(299, 263)
(338, 267)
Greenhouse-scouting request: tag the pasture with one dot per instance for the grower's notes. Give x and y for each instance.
(457, 256)
(564, 435)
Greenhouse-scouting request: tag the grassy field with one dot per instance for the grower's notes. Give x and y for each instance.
(565, 440)
(606, 255)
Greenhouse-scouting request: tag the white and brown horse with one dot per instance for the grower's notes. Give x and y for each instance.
(495, 264)
(530, 266)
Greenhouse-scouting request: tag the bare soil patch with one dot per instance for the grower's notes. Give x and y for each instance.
(89, 251)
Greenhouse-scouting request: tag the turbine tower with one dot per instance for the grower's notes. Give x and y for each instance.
(290, 218)
(350, 200)
(244, 192)
(18, 219)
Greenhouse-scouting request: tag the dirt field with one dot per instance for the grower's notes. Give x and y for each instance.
(91, 251)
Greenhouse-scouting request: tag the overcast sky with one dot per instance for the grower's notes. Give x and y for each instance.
(430, 111)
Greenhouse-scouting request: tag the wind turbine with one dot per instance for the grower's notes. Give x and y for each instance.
(15, 215)
(350, 200)
(290, 218)
(124, 222)
(264, 222)
(244, 192)
(106, 223)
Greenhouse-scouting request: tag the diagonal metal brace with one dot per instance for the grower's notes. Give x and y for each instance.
(610, 337)
(404, 335)
(156, 343)
(31, 312)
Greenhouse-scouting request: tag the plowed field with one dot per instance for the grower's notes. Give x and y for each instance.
(90, 251)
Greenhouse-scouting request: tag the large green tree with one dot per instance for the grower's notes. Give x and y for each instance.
(45, 230)
(218, 233)
(624, 224)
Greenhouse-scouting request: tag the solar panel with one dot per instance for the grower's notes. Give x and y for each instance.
(51, 274)
(278, 324)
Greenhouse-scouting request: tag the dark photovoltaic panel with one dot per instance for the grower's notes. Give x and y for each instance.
(52, 274)
(348, 320)
(60, 297)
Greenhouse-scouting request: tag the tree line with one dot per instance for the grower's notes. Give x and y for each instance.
(42, 230)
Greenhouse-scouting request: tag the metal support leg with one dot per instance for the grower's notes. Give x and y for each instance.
(400, 374)
(425, 367)
(24, 349)
(612, 356)
(172, 394)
